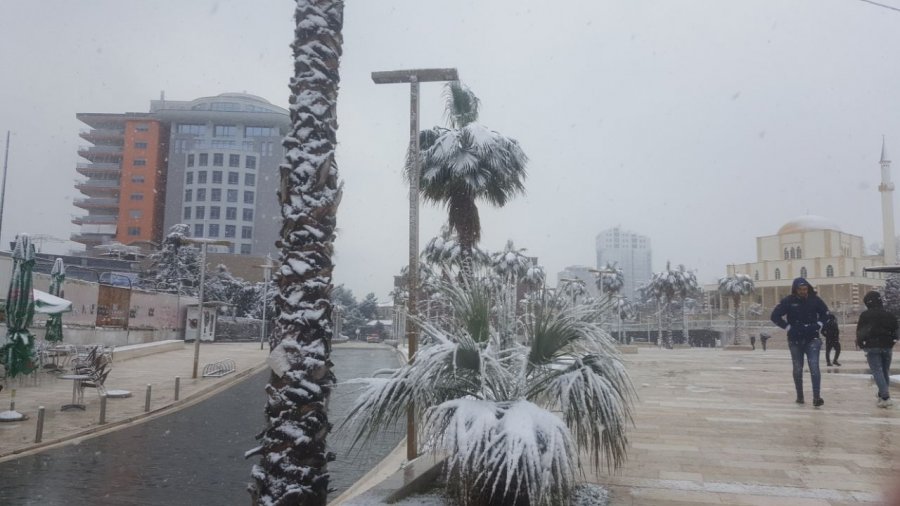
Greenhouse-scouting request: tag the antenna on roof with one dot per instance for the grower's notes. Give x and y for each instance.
(162, 95)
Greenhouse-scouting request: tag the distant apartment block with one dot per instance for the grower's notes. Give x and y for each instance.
(630, 252)
(211, 163)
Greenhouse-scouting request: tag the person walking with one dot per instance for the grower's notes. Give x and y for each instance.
(832, 340)
(763, 339)
(802, 314)
(876, 333)
(753, 342)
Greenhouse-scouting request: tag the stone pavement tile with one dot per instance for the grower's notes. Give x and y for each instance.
(764, 500)
(676, 475)
(661, 497)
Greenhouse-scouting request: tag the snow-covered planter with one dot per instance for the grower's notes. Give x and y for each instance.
(515, 420)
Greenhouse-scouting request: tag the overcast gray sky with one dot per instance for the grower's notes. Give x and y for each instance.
(701, 124)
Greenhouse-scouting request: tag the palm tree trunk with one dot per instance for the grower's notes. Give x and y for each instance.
(737, 304)
(668, 326)
(293, 463)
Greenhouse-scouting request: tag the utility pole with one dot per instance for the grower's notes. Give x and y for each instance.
(3, 186)
(413, 77)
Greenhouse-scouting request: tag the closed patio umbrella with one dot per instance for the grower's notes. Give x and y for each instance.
(17, 354)
(54, 322)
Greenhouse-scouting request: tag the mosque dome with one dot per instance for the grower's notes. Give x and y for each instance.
(807, 223)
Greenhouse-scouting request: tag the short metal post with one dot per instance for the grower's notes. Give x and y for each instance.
(102, 409)
(177, 386)
(12, 400)
(39, 433)
(147, 400)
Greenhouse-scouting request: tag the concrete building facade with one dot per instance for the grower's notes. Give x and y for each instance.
(628, 251)
(211, 163)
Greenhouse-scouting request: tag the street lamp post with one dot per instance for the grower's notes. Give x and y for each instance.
(203, 244)
(267, 273)
(413, 77)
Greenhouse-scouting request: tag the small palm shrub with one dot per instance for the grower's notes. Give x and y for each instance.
(514, 419)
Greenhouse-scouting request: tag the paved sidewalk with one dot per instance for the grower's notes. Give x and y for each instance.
(721, 427)
(158, 370)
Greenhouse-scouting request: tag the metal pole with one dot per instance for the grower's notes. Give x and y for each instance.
(200, 323)
(3, 186)
(39, 433)
(177, 387)
(267, 272)
(102, 409)
(413, 275)
(147, 399)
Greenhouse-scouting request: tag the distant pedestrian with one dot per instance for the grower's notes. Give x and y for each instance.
(876, 333)
(763, 339)
(753, 341)
(805, 313)
(832, 334)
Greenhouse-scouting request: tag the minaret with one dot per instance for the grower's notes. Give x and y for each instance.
(887, 208)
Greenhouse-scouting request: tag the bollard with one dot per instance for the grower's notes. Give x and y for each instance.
(39, 433)
(102, 409)
(12, 400)
(177, 386)
(147, 400)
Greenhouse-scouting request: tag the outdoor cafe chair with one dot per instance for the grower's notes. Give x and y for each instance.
(97, 380)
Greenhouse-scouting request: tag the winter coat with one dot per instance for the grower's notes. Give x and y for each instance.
(830, 330)
(802, 317)
(876, 327)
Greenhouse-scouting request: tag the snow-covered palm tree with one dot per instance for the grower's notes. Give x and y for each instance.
(466, 163)
(666, 287)
(736, 287)
(611, 280)
(511, 263)
(624, 310)
(572, 289)
(444, 253)
(492, 408)
(293, 458)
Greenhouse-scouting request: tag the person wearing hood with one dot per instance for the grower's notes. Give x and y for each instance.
(802, 314)
(832, 334)
(876, 333)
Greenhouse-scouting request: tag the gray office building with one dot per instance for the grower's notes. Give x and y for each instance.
(628, 251)
(223, 159)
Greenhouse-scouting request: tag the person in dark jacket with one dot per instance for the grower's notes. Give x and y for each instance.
(876, 333)
(802, 314)
(832, 340)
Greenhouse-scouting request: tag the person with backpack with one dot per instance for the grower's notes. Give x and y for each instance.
(832, 340)
(876, 333)
(802, 314)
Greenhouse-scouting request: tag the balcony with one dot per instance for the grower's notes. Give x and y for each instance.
(96, 219)
(91, 239)
(96, 203)
(90, 169)
(93, 187)
(102, 134)
(100, 153)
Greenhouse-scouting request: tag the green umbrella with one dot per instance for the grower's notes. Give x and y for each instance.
(54, 322)
(18, 352)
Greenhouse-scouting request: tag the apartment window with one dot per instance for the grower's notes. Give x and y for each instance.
(201, 194)
(215, 195)
(230, 230)
(803, 272)
(225, 131)
(217, 176)
(231, 213)
(232, 196)
(777, 273)
(142, 127)
(135, 214)
(260, 131)
(267, 148)
(201, 177)
(248, 214)
(187, 213)
(180, 145)
(233, 178)
(246, 232)
(234, 160)
(140, 145)
(221, 144)
(247, 145)
(190, 160)
(191, 129)
(187, 195)
(829, 272)
(218, 159)
(137, 179)
(198, 230)
(245, 249)
(136, 196)
(250, 162)
(214, 230)
(134, 231)
(204, 159)
(189, 178)
(248, 197)
(214, 212)
(249, 179)
(139, 162)
(200, 213)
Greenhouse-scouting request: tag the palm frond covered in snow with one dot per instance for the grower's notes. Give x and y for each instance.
(489, 406)
(611, 279)
(666, 287)
(511, 263)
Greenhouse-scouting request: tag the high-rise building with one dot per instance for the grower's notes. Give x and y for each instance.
(628, 251)
(211, 163)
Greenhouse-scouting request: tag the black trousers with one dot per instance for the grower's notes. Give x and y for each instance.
(832, 345)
